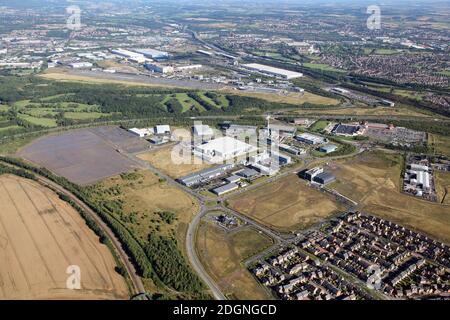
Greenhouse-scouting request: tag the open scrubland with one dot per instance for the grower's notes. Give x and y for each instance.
(442, 179)
(222, 253)
(156, 214)
(440, 144)
(169, 161)
(40, 237)
(287, 204)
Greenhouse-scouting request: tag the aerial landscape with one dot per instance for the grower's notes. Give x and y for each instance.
(236, 150)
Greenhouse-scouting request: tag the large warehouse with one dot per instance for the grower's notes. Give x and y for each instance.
(277, 72)
(309, 138)
(205, 175)
(152, 53)
(222, 149)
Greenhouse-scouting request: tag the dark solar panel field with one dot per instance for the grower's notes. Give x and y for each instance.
(85, 156)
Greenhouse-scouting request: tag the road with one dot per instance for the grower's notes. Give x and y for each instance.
(192, 229)
(193, 258)
(138, 286)
(278, 237)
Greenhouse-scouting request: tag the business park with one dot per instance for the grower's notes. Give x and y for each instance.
(232, 162)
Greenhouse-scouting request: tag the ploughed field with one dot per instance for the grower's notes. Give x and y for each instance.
(40, 237)
(85, 156)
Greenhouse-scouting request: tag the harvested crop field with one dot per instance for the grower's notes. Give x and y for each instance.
(374, 180)
(85, 156)
(442, 179)
(222, 253)
(162, 159)
(287, 204)
(40, 237)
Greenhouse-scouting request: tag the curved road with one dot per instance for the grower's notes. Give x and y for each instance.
(195, 261)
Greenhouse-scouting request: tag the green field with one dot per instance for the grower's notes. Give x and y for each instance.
(381, 51)
(319, 126)
(38, 112)
(83, 115)
(43, 122)
(15, 127)
(322, 67)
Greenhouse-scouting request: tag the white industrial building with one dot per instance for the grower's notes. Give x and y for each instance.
(329, 148)
(206, 53)
(141, 132)
(269, 163)
(225, 189)
(418, 178)
(134, 56)
(159, 68)
(189, 67)
(203, 130)
(152, 53)
(309, 138)
(223, 149)
(162, 129)
(272, 71)
(340, 90)
(80, 65)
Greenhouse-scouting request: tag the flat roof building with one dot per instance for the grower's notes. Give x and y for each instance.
(189, 67)
(282, 73)
(312, 173)
(141, 132)
(225, 189)
(159, 68)
(329, 148)
(202, 130)
(205, 175)
(284, 130)
(80, 65)
(152, 53)
(233, 179)
(309, 138)
(247, 173)
(222, 149)
(162, 129)
(324, 178)
(348, 130)
(291, 149)
(129, 54)
(240, 130)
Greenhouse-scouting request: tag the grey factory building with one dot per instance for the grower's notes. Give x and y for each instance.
(324, 178)
(225, 189)
(205, 175)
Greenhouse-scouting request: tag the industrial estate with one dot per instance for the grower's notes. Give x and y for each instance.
(164, 152)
